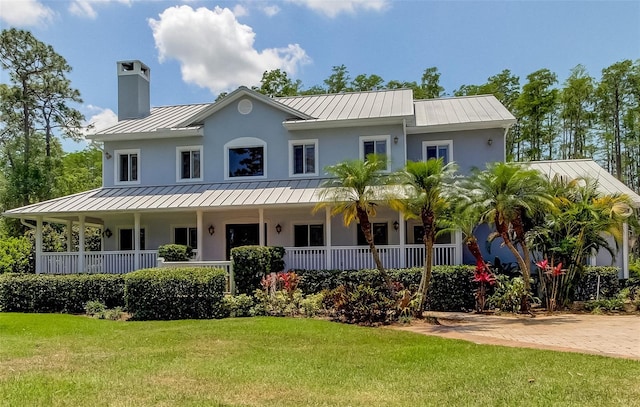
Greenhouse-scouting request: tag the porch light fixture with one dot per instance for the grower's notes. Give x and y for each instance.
(212, 230)
(490, 141)
(395, 140)
(107, 233)
(278, 228)
(396, 225)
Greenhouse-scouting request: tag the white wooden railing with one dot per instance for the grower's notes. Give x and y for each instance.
(115, 262)
(359, 257)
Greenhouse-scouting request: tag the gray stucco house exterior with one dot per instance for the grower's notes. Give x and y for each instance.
(247, 169)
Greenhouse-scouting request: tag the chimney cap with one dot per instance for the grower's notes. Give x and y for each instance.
(133, 67)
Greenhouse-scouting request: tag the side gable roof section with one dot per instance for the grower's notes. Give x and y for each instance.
(241, 92)
(460, 113)
(573, 169)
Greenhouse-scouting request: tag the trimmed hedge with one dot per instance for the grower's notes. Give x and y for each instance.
(16, 255)
(59, 293)
(175, 293)
(451, 289)
(252, 263)
(587, 285)
(175, 252)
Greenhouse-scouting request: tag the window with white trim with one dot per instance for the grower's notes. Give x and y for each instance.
(308, 235)
(127, 166)
(125, 239)
(245, 157)
(380, 233)
(187, 236)
(379, 145)
(438, 149)
(303, 157)
(189, 163)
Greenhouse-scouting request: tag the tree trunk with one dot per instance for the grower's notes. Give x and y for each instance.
(524, 268)
(365, 226)
(428, 224)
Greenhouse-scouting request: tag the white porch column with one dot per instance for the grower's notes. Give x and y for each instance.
(136, 241)
(458, 241)
(327, 221)
(403, 239)
(39, 244)
(81, 244)
(69, 235)
(199, 229)
(261, 226)
(625, 250)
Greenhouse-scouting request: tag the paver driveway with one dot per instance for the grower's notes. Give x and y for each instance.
(607, 335)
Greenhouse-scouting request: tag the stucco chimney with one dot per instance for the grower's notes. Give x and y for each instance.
(133, 90)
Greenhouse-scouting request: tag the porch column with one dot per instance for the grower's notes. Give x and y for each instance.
(625, 250)
(403, 239)
(199, 228)
(136, 241)
(81, 244)
(39, 244)
(261, 227)
(459, 248)
(69, 235)
(327, 221)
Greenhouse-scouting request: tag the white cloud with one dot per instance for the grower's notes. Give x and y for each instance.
(86, 8)
(331, 8)
(215, 51)
(23, 13)
(271, 11)
(101, 118)
(240, 10)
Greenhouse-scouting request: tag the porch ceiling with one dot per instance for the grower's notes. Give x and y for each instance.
(179, 197)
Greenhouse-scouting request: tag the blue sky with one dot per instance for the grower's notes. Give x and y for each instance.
(196, 49)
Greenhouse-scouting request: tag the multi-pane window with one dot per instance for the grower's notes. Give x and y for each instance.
(378, 145)
(246, 162)
(437, 149)
(126, 239)
(308, 235)
(189, 163)
(380, 234)
(304, 158)
(187, 236)
(127, 166)
(442, 238)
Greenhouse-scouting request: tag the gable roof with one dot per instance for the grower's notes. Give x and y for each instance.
(460, 113)
(573, 169)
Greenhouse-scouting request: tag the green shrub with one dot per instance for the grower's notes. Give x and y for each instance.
(587, 284)
(175, 293)
(93, 308)
(237, 306)
(16, 255)
(175, 252)
(452, 289)
(604, 305)
(362, 305)
(252, 263)
(59, 293)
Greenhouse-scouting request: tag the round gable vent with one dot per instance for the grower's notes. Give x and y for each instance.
(245, 106)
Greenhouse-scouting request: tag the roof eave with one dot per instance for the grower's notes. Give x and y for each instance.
(332, 124)
(148, 135)
(441, 128)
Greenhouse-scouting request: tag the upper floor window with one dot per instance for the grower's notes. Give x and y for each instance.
(245, 157)
(308, 235)
(375, 145)
(127, 166)
(189, 163)
(438, 149)
(187, 236)
(303, 157)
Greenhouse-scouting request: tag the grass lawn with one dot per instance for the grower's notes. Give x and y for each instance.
(64, 360)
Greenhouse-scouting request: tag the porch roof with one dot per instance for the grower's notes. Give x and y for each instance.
(176, 197)
(572, 169)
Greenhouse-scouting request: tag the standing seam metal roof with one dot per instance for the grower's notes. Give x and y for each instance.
(461, 110)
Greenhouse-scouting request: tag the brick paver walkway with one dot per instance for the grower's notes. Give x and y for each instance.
(607, 335)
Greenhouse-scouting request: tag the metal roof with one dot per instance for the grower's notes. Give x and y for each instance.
(573, 169)
(354, 105)
(462, 111)
(176, 197)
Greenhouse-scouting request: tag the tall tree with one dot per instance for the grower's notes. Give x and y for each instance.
(537, 106)
(339, 80)
(430, 84)
(81, 171)
(577, 99)
(363, 83)
(34, 108)
(353, 192)
(427, 193)
(276, 83)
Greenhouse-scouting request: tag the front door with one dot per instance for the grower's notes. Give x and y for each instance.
(246, 234)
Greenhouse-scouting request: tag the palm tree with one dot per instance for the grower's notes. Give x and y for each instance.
(425, 197)
(353, 191)
(507, 195)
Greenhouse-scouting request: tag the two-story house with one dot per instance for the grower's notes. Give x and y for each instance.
(247, 170)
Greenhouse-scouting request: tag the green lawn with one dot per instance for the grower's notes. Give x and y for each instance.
(63, 360)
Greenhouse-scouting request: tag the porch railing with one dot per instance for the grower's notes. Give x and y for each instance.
(359, 257)
(115, 262)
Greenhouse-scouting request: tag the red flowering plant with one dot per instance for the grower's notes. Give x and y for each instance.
(484, 276)
(552, 281)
